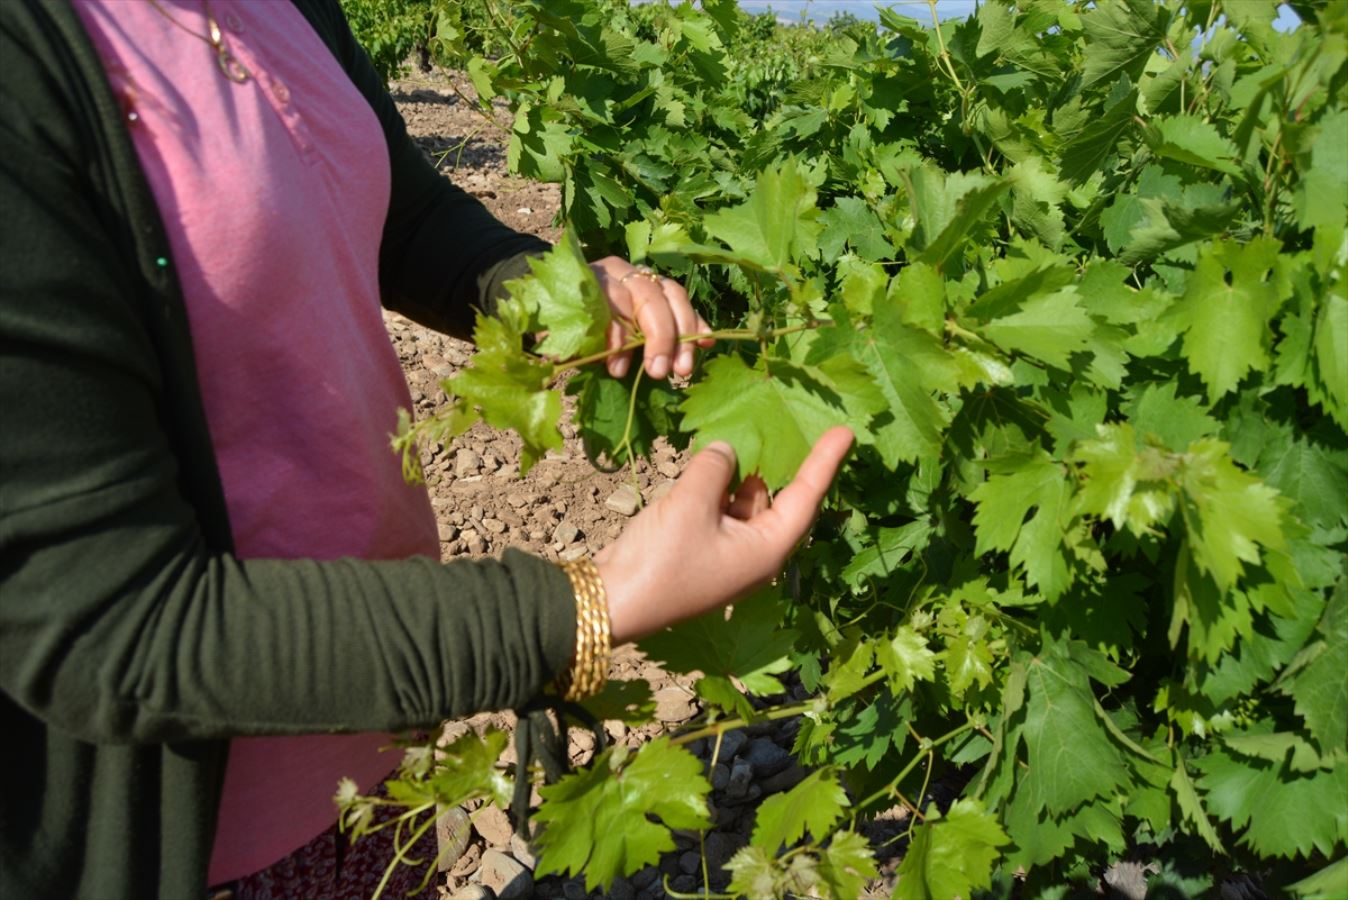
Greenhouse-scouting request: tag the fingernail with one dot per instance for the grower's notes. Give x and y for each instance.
(722, 448)
(659, 367)
(685, 360)
(618, 368)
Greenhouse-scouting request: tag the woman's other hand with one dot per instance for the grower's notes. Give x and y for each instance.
(656, 305)
(699, 548)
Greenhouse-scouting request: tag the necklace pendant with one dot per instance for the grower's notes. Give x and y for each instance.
(234, 70)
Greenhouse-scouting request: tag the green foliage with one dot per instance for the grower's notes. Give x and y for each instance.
(1074, 273)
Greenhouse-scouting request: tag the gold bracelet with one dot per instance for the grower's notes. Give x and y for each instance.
(589, 666)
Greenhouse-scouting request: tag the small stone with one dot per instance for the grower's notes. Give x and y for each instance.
(719, 847)
(684, 884)
(674, 705)
(741, 774)
(452, 831)
(582, 741)
(495, 526)
(690, 862)
(731, 743)
(448, 532)
(571, 554)
(520, 849)
(766, 757)
(622, 889)
(468, 863)
(625, 500)
(617, 730)
(644, 878)
(475, 512)
(668, 468)
(506, 875)
(474, 543)
(784, 780)
(473, 892)
(720, 776)
(574, 890)
(494, 826)
(565, 533)
(466, 462)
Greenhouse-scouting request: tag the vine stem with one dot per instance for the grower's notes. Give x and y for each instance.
(728, 334)
(945, 54)
(719, 728)
(923, 753)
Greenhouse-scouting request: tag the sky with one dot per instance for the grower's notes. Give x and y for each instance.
(823, 10)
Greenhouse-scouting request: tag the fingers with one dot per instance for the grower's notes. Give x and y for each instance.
(795, 505)
(660, 308)
(616, 337)
(652, 312)
(686, 321)
(750, 499)
(707, 475)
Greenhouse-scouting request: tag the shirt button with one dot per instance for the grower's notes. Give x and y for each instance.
(282, 92)
(234, 23)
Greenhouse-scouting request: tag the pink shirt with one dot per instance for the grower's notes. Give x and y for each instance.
(274, 193)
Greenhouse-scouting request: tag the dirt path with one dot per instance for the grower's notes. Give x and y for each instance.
(562, 509)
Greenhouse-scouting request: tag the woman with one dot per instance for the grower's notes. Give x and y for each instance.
(215, 583)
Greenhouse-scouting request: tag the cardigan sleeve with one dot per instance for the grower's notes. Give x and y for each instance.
(119, 621)
(444, 255)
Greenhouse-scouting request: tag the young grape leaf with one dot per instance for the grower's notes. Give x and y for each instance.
(510, 388)
(1050, 327)
(1173, 420)
(891, 548)
(847, 864)
(905, 659)
(851, 220)
(1122, 35)
(751, 646)
(774, 412)
(562, 297)
(757, 873)
(814, 804)
(1233, 293)
(951, 855)
(598, 821)
(1192, 140)
(1133, 489)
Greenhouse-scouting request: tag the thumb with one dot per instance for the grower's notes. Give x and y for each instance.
(708, 475)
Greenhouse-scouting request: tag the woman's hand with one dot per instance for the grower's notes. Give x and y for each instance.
(656, 305)
(698, 549)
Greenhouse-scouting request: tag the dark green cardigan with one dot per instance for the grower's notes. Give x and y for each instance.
(132, 643)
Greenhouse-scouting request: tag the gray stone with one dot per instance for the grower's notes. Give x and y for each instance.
(784, 780)
(507, 876)
(741, 775)
(1127, 880)
(466, 462)
(766, 757)
(690, 862)
(622, 889)
(720, 776)
(644, 878)
(494, 826)
(731, 743)
(684, 884)
(674, 705)
(625, 501)
(719, 847)
(452, 831)
(448, 532)
(574, 890)
(474, 543)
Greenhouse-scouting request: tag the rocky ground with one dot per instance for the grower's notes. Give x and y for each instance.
(562, 509)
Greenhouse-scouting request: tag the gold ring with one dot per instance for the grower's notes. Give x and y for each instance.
(641, 272)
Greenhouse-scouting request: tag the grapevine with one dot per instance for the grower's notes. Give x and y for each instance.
(1074, 275)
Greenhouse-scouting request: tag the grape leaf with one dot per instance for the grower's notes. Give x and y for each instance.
(750, 645)
(907, 365)
(562, 297)
(510, 388)
(1318, 683)
(814, 804)
(1071, 758)
(1133, 489)
(1191, 139)
(892, 546)
(1086, 152)
(1234, 291)
(774, 412)
(951, 855)
(1276, 811)
(1329, 883)
(1331, 354)
(1050, 327)
(603, 406)
(598, 821)
(1229, 514)
(905, 659)
(778, 222)
(1000, 523)
(757, 873)
(852, 221)
(847, 864)
(1173, 420)
(1122, 36)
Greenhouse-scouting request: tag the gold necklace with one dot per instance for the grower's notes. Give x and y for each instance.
(229, 64)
